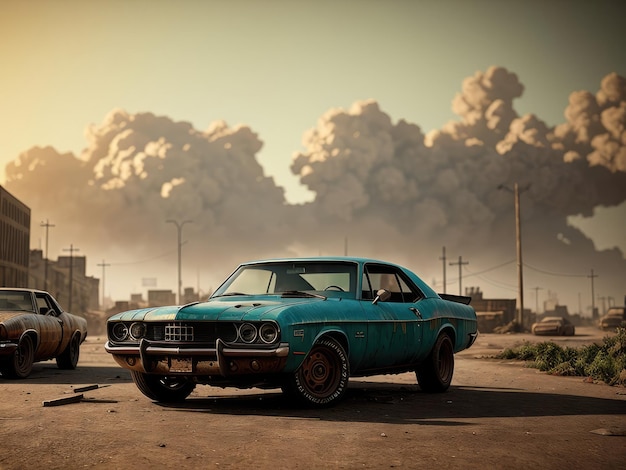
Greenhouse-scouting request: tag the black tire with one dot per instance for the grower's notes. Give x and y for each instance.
(20, 364)
(68, 359)
(434, 375)
(322, 378)
(167, 389)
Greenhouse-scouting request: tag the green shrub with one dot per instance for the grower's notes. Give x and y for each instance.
(606, 361)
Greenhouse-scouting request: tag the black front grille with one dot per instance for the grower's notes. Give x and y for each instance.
(178, 332)
(204, 332)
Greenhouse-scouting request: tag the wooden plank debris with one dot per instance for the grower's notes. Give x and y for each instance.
(86, 388)
(63, 400)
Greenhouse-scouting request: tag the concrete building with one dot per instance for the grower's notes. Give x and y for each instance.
(159, 298)
(491, 313)
(78, 296)
(14, 240)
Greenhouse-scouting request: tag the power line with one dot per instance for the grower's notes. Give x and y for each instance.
(490, 269)
(554, 274)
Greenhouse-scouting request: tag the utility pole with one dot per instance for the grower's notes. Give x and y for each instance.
(103, 265)
(518, 244)
(460, 263)
(45, 275)
(593, 302)
(179, 227)
(71, 249)
(443, 258)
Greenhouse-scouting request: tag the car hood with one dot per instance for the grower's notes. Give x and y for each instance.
(225, 309)
(8, 314)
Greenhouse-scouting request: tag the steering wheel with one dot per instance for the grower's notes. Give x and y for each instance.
(340, 289)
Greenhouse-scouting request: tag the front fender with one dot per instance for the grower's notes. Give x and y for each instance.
(304, 339)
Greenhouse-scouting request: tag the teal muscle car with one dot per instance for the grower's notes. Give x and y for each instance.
(304, 325)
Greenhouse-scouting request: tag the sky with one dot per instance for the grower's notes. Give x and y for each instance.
(278, 67)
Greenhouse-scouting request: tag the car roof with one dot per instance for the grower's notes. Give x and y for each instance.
(343, 259)
(23, 289)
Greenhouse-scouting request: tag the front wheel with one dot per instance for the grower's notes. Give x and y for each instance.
(322, 378)
(163, 388)
(19, 364)
(435, 373)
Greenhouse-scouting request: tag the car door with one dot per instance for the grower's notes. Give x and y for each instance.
(394, 330)
(51, 332)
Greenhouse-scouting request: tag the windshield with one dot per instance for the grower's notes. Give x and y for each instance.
(277, 278)
(15, 300)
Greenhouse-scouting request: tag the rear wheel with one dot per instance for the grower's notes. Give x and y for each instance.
(19, 364)
(435, 373)
(322, 379)
(69, 358)
(163, 388)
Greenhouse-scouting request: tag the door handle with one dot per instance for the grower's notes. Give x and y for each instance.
(416, 312)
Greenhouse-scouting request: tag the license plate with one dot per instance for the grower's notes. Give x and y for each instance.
(181, 365)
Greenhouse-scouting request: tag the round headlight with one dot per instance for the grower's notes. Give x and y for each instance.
(268, 333)
(227, 332)
(119, 332)
(247, 332)
(138, 330)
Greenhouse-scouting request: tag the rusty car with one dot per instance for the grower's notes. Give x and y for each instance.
(553, 326)
(615, 317)
(33, 328)
(304, 325)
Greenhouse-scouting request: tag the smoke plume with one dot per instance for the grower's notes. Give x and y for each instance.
(382, 189)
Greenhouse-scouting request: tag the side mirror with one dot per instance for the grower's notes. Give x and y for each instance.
(382, 295)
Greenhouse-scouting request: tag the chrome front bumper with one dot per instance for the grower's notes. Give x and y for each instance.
(159, 358)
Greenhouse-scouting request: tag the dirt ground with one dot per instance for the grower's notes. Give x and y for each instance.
(497, 414)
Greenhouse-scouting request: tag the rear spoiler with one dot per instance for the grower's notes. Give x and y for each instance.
(459, 299)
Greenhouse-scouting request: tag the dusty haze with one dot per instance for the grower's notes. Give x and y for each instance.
(383, 189)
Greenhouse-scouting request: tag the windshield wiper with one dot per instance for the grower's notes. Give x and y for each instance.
(299, 293)
(228, 294)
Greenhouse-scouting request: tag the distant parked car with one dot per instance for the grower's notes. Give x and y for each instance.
(34, 327)
(554, 326)
(614, 317)
(303, 325)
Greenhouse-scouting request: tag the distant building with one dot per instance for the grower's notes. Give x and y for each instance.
(14, 240)
(85, 289)
(159, 298)
(189, 296)
(491, 312)
(137, 299)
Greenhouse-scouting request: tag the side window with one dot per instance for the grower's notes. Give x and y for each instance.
(43, 304)
(391, 279)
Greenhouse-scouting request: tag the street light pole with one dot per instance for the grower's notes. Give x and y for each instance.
(179, 227)
(45, 275)
(71, 249)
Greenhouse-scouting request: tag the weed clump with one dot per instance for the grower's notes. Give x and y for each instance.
(605, 362)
